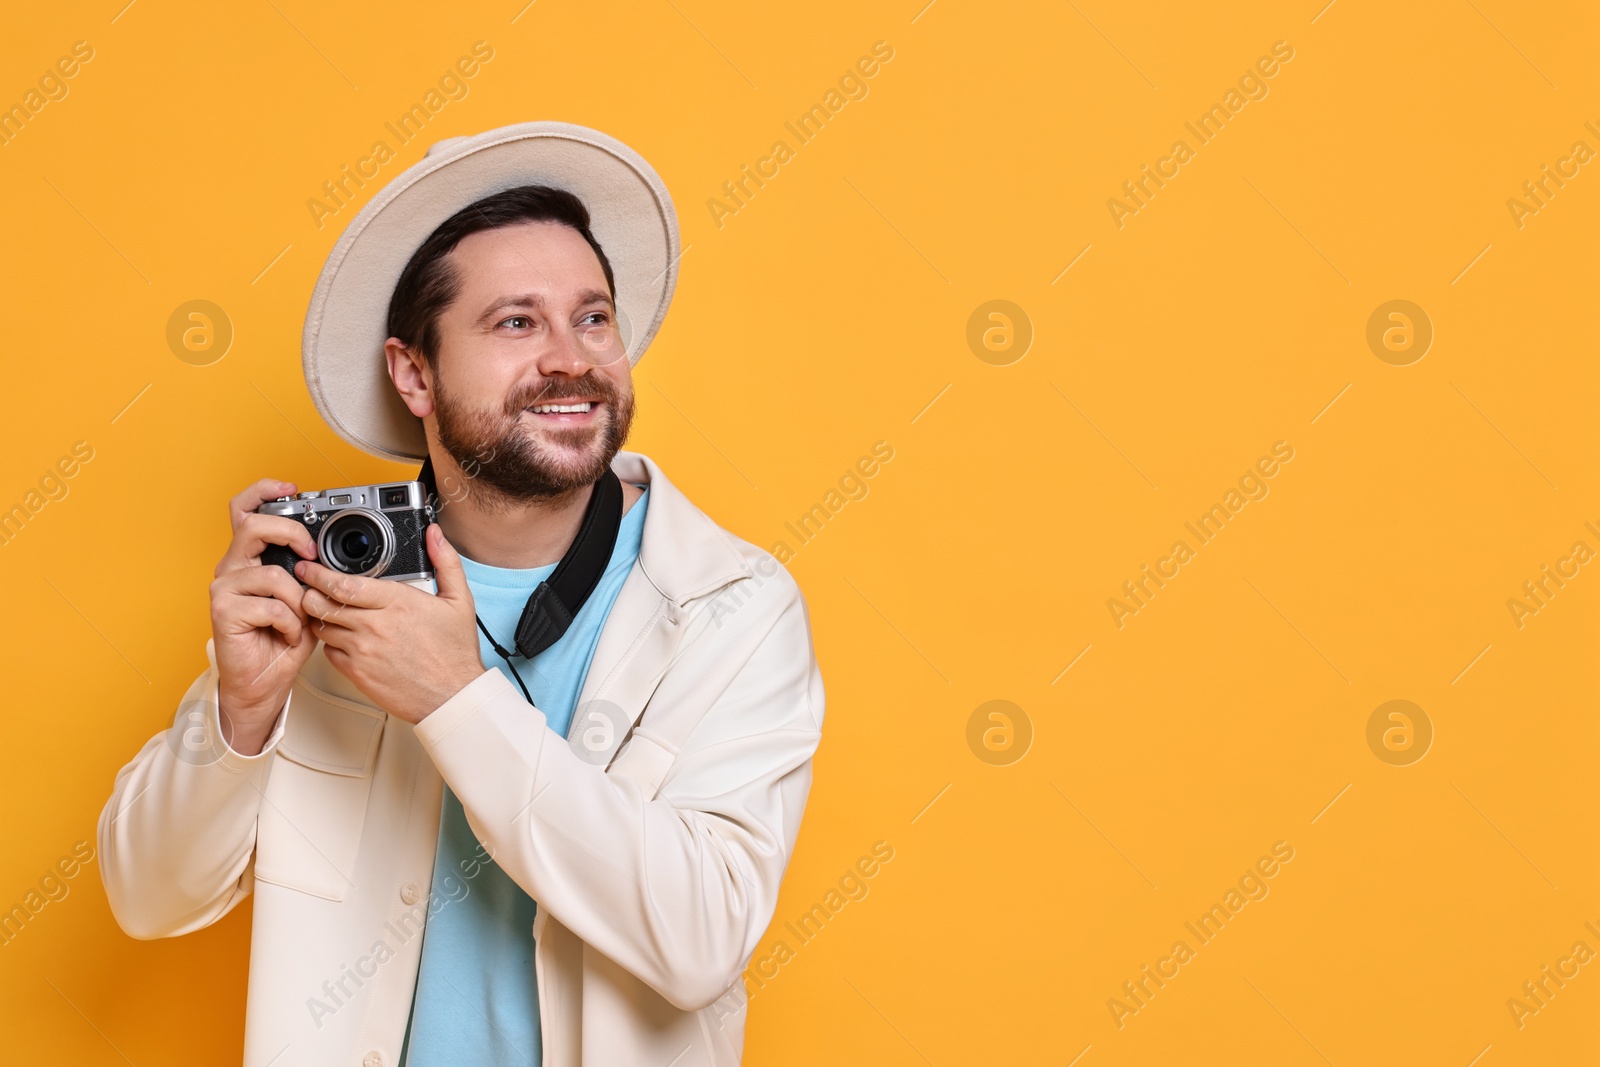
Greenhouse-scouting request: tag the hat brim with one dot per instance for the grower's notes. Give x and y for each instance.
(631, 216)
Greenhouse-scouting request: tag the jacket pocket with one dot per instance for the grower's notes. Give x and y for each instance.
(315, 804)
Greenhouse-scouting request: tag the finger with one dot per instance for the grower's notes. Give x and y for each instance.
(338, 658)
(253, 497)
(332, 634)
(255, 532)
(319, 605)
(272, 582)
(447, 569)
(255, 613)
(345, 588)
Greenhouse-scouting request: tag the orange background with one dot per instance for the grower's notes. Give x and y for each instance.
(831, 312)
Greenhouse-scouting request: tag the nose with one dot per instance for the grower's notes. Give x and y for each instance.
(566, 354)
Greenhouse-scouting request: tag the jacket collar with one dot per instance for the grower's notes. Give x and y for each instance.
(683, 553)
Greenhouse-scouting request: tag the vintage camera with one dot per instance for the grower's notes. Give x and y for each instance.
(370, 531)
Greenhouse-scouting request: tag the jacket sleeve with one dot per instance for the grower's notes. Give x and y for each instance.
(177, 838)
(677, 888)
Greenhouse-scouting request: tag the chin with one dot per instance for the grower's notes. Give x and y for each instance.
(570, 461)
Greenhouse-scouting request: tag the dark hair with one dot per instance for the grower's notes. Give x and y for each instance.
(429, 284)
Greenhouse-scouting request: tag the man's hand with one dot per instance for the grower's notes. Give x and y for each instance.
(261, 633)
(407, 650)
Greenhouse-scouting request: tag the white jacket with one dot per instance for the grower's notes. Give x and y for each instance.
(653, 839)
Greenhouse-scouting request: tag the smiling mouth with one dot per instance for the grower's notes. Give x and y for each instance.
(572, 411)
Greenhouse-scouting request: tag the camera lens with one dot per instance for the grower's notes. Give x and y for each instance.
(355, 545)
(356, 542)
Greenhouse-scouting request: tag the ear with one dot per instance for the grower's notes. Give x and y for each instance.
(412, 377)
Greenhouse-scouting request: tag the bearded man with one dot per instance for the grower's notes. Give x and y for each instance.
(532, 807)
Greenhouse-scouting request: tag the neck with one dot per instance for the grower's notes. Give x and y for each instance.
(487, 528)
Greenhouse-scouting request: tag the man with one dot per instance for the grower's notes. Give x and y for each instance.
(450, 867)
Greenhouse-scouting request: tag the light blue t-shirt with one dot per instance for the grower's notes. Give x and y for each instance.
(477, 1001)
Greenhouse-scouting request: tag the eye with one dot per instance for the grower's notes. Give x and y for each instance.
(524, 320)
(600, 317)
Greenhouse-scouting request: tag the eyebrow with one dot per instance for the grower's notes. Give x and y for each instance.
(536, 302)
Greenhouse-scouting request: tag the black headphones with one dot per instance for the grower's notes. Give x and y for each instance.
(552, 607)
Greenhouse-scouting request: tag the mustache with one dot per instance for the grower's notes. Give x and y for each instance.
(555, 390)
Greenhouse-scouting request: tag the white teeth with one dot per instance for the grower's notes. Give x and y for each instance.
(547, 409)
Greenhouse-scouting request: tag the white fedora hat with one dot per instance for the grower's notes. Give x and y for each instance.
(630, 213)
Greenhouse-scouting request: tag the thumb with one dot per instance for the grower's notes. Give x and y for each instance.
(448, 573)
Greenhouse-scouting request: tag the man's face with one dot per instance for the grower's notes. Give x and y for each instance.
(533, 325)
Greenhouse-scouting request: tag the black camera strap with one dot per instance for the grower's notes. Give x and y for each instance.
(558, 599)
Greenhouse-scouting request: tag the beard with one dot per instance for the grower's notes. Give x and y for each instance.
(512, 464)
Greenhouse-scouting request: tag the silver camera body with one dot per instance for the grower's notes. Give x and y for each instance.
(370, 531)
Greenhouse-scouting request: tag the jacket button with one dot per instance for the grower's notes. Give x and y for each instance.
(372, 1059)
(410, 894)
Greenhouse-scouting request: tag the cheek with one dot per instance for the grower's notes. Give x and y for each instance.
(479, 379)
(619, 376)
(488, 390)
